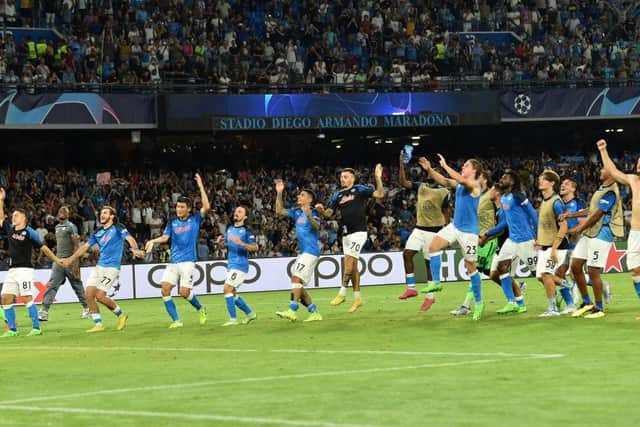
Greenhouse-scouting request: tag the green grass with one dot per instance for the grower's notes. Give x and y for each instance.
(197, 376)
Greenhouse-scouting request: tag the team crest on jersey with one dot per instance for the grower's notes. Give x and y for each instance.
(345, 199)
(182, 229)
(19, 236)
(301, 220)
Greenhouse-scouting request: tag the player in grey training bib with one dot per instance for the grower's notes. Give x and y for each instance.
(66, 243)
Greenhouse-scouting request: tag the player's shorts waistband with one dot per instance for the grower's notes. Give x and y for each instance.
(430, 229)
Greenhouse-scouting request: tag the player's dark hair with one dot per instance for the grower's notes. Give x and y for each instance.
(351, 171)
(186, 200)
(311, 193)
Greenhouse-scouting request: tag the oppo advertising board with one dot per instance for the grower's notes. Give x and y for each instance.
(273, 274)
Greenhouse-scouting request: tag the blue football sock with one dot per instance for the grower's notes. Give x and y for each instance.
(411, 280)
(294, 305)
(170, 305)
(243, 305)
(312, 308)
(193, 299)
(118, 311)
(636, 284)
(97, 318)
(586, 300)
(231, 306)
(520, 301)
(566, 295)
(10, 316)
(33, 314)
(476, 286)
(507, 283)
(599, 305)
(435, 264)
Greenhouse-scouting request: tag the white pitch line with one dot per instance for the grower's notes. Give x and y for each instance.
(261, 379)
(181, 416)
(249, 350)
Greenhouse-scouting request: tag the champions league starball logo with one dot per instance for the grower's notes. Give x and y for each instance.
(522, 104)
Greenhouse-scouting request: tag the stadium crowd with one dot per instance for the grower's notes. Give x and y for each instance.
(342, 42)
(145, 200)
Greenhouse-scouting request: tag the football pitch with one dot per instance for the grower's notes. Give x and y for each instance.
(386, 365)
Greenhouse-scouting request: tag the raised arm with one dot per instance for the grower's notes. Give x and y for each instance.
(469, 183)
(203, 196)
(280, 210)
(404, 182)
(610, 167)
(437, 177)
(379, 193)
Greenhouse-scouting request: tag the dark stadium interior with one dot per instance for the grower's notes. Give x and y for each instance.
(157, 149)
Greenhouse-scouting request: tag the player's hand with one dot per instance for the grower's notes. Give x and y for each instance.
(482, 240)
(66, 262)
(279, 186)
(235, 239)
(3, 194)
(378, 171)
(148, 247)
(602, 144)
(563, 216)
(401, 159)
(138, 253)
(424, 163)
(198, 179)
(319, 207)
(220, 239)
(442, 160)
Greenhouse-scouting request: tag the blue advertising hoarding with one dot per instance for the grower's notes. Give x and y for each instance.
(563, 104)
(77, 109)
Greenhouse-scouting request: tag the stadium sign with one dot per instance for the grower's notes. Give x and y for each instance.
(305, 111)
(335, 122)
(273, 274)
